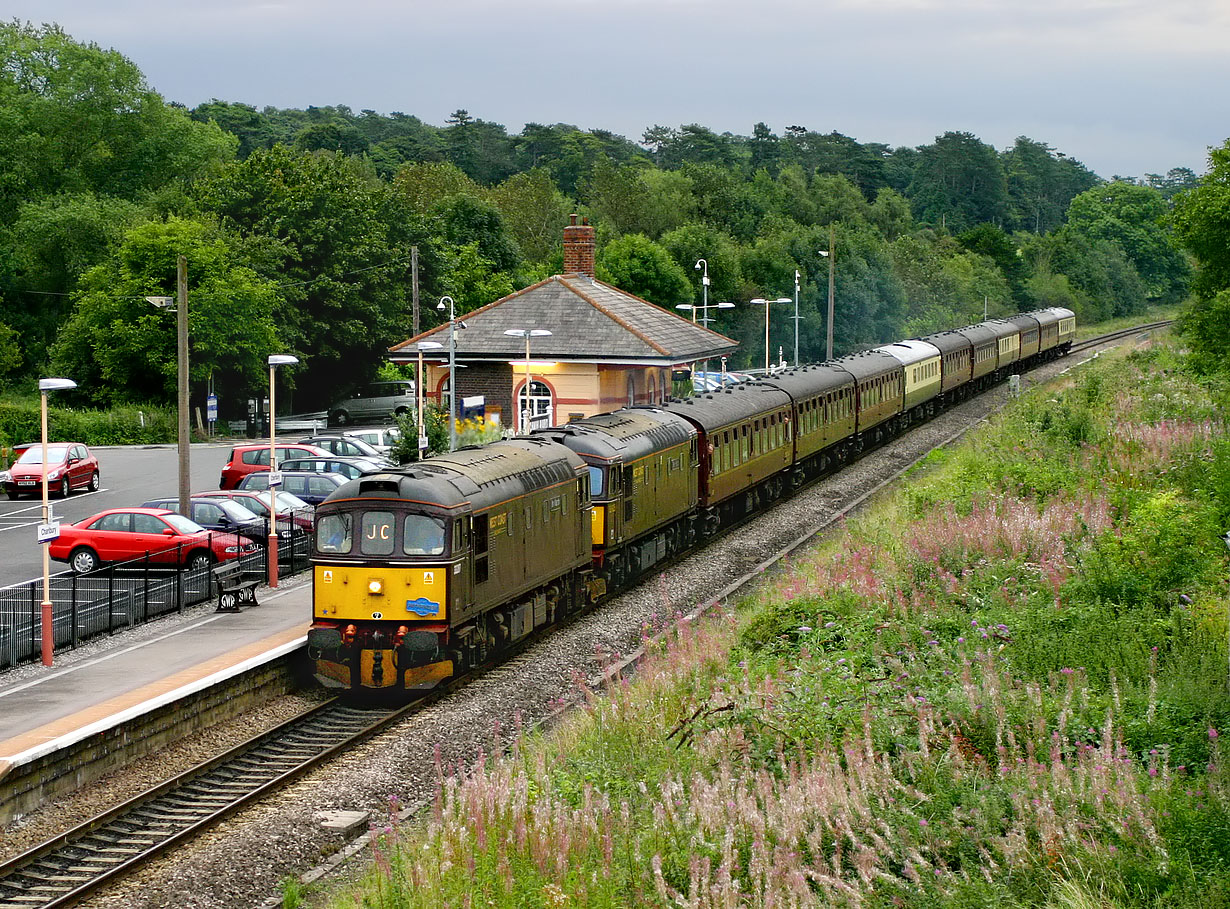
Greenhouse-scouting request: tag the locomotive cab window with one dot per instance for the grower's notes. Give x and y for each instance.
(335, 533)
(597, 482)
(376, 536)
(423, 535)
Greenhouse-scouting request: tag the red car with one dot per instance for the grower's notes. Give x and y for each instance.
(120, 534)
(246, 459)
(70, 465)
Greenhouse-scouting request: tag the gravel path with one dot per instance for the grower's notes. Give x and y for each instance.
(242, 863)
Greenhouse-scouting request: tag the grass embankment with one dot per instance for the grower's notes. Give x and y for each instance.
(129, 425)
(1005, 686)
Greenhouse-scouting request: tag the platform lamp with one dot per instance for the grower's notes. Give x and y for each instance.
(275, 360)
(418, 387)
(767, 304)
(45, 536)
(527, 333)
(452, 370)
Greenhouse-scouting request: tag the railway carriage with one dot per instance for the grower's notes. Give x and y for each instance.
(879, 385)
(1066, 331)
(921, 370)
(1030, 334)
(746, 449)
(956, 364)
(422, 572)
(984, 356)
(1007, 345)
(643, 464)
(823, 398)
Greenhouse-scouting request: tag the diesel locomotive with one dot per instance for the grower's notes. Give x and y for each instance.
(421, 572)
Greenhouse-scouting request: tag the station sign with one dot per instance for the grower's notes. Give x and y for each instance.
(48, 532)
(275, 479)
(211, 408)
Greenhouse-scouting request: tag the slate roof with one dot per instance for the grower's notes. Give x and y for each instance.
(590, 322)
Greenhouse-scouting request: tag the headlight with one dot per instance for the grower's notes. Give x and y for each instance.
(5, 477)
(55, 474)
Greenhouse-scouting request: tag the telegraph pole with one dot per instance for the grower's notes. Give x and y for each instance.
(414, 290)
(185, 475)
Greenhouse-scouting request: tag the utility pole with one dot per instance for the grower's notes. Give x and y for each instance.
(185, 474)
(414, 290)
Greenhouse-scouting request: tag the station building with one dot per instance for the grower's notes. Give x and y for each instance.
(607, 348)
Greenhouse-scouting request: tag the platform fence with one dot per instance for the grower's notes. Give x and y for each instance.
(125, 594)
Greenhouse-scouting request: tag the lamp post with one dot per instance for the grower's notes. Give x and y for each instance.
(527, 333)
(767, 304)
(275, 360)
(418, 387)
(831, 255)
(181, 359)
(796, 318)
(45, 536)
(704, 286)
(704, 319)
(452, 371)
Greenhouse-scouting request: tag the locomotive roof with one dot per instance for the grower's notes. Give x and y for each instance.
(625, 434)
(978, 334)
(911, 352)
(733, 404)
(803, 382)
(475, 477)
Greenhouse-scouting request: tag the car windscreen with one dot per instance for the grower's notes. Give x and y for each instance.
(182, 524)
(290, 502)
(235, 511)
(34, 455)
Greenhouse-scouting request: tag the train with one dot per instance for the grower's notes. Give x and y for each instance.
(425, 571)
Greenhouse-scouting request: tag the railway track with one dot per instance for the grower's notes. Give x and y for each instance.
(107, 848)
(65, 869)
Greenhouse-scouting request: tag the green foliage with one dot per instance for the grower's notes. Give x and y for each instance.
(10, 353)
(147, 424)
(642, 267)
(435, 427)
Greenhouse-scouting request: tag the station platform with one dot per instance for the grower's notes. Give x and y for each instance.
(107, 683)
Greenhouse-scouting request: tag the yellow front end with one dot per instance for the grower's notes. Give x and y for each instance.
(346, 593)
(597, 525)
(358, 596)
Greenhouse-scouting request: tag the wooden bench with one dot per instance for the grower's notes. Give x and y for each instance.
(233, 590)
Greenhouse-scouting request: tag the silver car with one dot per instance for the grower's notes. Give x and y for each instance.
(374, 403)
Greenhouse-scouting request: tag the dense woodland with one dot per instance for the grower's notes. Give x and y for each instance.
(298, 227)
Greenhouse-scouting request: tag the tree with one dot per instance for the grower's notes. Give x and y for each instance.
(10, 353)
(990, 241)
(338, 241)
(534, 210)
(423, 186)
(959, 182)
(638, 265)
(691, 243)
(119, 348)
(1132, 217)
(1201, 219)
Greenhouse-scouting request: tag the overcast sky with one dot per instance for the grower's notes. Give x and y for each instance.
(1126, 86)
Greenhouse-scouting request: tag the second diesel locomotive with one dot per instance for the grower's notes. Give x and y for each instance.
(424, 571)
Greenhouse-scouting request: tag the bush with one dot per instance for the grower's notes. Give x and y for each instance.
(119, 426)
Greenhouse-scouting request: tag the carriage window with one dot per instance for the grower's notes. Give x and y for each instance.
(377, 533)
(335, 533)
(596, 484)
(423, 535)
(481, 523)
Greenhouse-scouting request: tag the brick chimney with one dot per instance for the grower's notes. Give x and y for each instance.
(578, 247)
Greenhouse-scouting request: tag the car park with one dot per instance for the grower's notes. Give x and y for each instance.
(293, 512)
(373, 402)
(70, 465)
(246, 459)
(350, 468)
(162, 536)
(345, 446)
(382, 440)
(313, 488)
(218, 515)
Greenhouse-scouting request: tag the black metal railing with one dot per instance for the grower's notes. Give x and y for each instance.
(125, 594)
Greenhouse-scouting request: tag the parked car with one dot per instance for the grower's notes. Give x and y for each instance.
(380, 439)
(218, 515)
(350, 468)
(246, 459)
(70, 465)
(121, 534)
(376, 401)
(293, 512)
(345, 447)
(313, 488)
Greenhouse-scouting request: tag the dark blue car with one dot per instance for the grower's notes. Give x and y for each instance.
(313, 488)
(220, 515)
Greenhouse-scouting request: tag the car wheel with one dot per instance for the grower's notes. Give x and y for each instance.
(199, 561)
(12, 493)
(94, 482)
(83, 560)
(341, 418)
(65, 488)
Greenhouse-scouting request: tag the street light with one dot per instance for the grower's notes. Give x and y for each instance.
(181, 359)
(452, 371)
(418, 386)
(767, 304)
(527, 333)
(47, 533)
(796, 318)
(831, 255)
(704, 319)
(704, 286)
(275, 360)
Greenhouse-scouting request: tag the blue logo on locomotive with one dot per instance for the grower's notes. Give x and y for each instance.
(423, 607)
